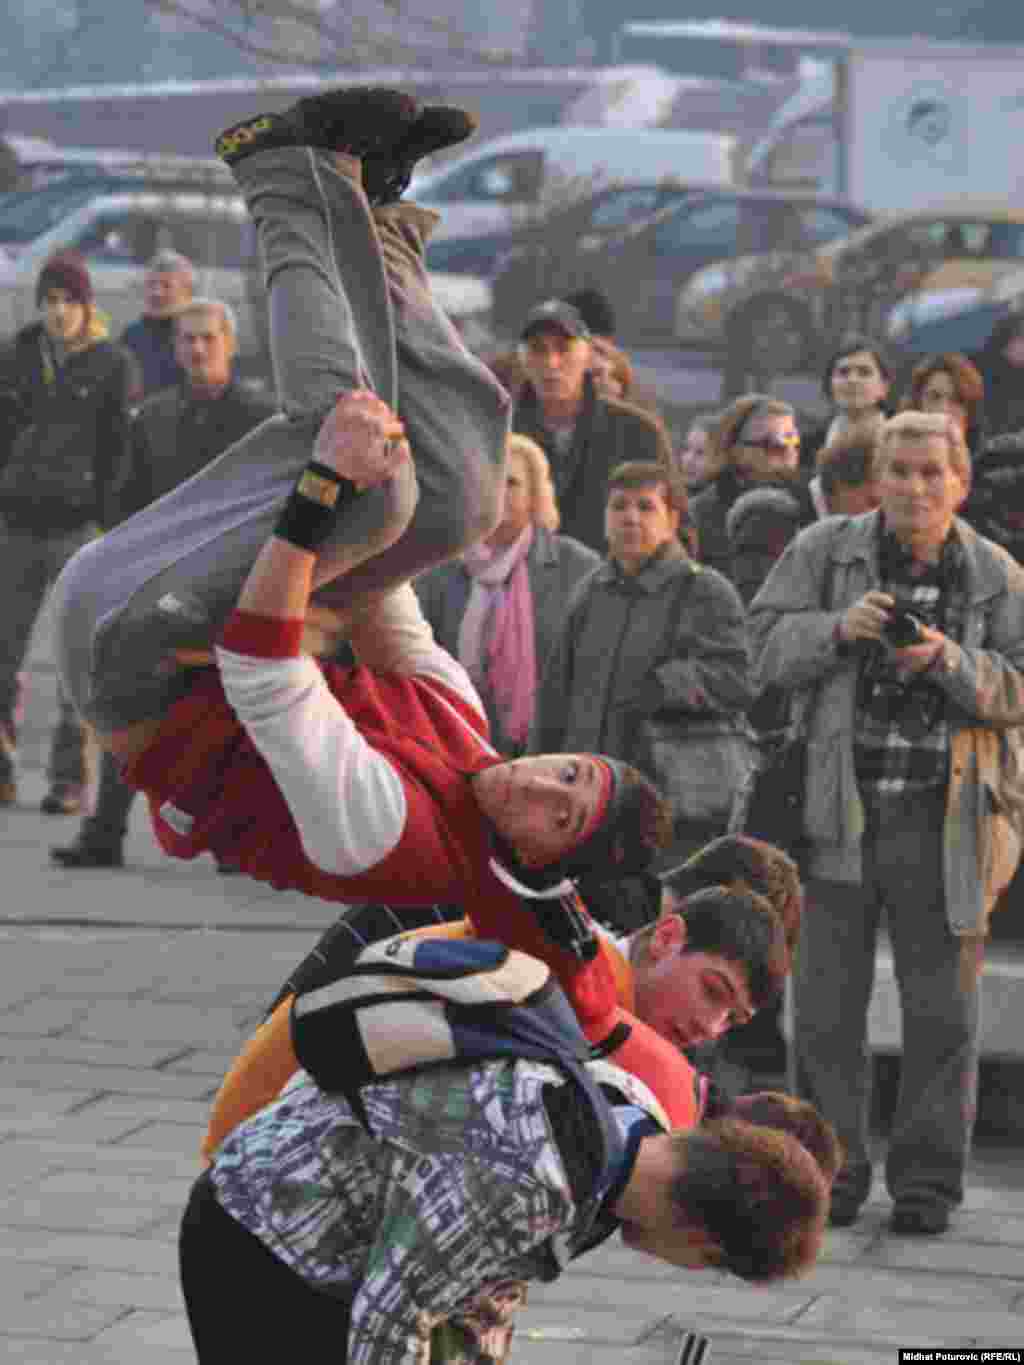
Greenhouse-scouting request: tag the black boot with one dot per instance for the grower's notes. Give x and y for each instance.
(386, 177)
(100, 838)
(357, 121)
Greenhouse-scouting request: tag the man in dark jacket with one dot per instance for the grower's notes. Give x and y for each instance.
(167, 287)
(583, 435)
(65, 395)
(176, 433)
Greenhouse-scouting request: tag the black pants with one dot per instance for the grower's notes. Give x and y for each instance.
(243, 1303)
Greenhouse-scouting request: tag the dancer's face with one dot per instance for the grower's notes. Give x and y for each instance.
(541, 805)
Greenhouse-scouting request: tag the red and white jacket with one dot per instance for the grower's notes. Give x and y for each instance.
(353, 785)
(346, 784)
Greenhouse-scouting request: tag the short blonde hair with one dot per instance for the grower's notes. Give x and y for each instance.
(922, 426)
(543, 504)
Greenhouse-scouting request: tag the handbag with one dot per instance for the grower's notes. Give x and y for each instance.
(699, 765)
(771, 805)
(700, 768)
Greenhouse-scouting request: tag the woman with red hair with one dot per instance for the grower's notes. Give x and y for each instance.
(950, 383)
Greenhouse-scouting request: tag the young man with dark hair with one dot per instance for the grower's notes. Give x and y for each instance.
(707, 964)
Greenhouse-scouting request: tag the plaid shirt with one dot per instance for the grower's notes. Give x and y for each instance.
(902, 732)
(454, 1197)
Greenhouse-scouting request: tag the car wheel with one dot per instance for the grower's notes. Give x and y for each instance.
(769, 339)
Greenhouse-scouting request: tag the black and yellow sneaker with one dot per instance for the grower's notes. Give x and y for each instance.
(386, 176)
(357, 121)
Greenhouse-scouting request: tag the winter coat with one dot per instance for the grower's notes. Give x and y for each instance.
(709, 512)
(555, 564)
(151, 341)
(612, 665)
(607, 434)
(88, 395)
(793, 634)
(174, 435)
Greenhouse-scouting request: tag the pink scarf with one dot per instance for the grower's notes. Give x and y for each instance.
(496, 638)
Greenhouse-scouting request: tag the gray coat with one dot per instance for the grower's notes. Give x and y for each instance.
(792, 631)
(613, 663)
(555, 565)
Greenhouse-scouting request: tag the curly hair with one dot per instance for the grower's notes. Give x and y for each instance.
(799, 1118)
(741, 861)
(757, 1192)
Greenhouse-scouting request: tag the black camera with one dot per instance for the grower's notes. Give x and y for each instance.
(902, 629)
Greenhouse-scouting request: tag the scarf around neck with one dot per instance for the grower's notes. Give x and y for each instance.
(496, 642)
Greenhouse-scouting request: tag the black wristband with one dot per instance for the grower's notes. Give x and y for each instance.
(319, 495)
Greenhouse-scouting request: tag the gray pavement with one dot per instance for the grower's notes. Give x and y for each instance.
(123, 996)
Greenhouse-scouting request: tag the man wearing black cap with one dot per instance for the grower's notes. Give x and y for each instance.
(583, 434)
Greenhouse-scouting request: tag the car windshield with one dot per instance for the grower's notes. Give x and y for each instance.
(24, 216)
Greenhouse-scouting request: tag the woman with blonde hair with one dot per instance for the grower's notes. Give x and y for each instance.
(499, 607)
(65, 398)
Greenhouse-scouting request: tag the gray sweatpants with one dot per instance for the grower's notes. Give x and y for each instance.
(937, 976)
(349, 306)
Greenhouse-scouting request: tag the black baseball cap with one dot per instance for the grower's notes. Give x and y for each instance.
(558, 314)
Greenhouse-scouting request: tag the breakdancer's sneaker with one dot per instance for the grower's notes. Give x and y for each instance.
(386, 176)
(359, 121)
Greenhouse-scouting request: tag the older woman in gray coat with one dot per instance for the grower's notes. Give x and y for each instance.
(499, 607)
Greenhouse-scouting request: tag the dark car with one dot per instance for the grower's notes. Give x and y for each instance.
(27, 214)
(532, 262)
(642, 267)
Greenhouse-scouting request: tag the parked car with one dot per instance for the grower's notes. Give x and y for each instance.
(119, 233)
(496, 186)
(27, 214)
(937, 320)
(642, 267)
(538, 260)
(780, 312)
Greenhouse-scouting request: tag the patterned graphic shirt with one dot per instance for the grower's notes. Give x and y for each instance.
(458, 1191)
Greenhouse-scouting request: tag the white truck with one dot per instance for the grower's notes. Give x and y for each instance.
(896, 125)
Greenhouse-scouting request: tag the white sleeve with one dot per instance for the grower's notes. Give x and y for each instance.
(346, 799)
(393, 636)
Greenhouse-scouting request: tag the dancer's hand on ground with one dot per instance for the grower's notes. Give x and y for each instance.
(362, 440)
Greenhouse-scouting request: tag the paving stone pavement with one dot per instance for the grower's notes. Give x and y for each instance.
(123, 996)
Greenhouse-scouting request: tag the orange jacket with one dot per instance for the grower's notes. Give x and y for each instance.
(267, 1061)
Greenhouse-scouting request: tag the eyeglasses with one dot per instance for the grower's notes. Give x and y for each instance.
(772, 444)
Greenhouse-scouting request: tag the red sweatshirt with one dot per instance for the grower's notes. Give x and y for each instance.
(344, 784)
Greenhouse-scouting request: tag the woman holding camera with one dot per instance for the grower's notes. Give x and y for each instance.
(902, 633)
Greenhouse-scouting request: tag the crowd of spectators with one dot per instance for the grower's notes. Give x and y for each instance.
(636, 592)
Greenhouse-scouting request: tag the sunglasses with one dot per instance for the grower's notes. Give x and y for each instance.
(772, 444)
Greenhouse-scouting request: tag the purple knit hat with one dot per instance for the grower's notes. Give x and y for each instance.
(67, 270)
